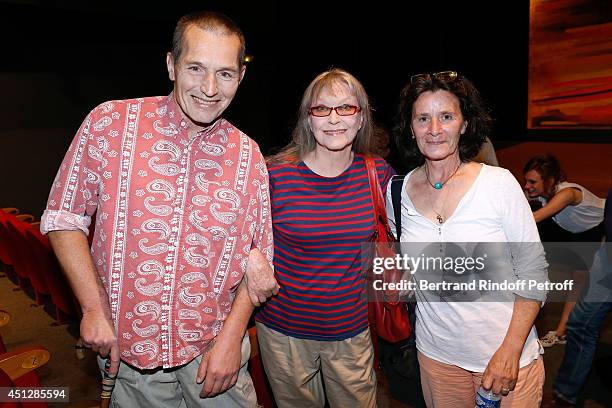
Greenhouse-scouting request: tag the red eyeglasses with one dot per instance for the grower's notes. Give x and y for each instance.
(342, 110)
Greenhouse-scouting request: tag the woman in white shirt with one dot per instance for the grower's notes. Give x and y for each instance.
(441, 124)
(575, 210)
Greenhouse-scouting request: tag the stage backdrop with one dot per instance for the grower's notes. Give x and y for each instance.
(570, 64)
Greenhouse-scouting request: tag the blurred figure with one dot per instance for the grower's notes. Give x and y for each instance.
(381, 141)
(577, 211)
(486, 154)
(584, 322)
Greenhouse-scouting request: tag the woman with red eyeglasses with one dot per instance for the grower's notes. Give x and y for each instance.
(314, 337)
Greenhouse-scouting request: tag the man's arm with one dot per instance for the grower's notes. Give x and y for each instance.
(261, 283)
(97, 330)
(221, 363)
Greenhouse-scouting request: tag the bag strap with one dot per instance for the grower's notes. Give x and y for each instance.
(396, 200)
(380, 214)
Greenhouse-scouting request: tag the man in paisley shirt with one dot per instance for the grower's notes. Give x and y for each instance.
(182, 213)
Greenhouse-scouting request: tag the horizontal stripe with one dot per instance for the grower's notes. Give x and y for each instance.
(320, 225)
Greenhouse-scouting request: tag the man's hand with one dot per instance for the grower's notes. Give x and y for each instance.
(98, 334)
(219, 367)
(97, 329)
(260, 280)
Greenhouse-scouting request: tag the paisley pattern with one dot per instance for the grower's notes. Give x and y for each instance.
(169, 130)
(147, 307)
(152, 289)
(102, 123)
(202, 182)
(151, 268)
(144, 331)
(193, 300)
(177, 216)
(167, 192)
(205, 164)
(145, 348)
(166, 169)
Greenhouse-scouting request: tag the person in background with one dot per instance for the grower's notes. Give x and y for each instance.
(441, 124)
(575, 210)
(381, 141)
(584, 322)
(183, 211)
(314, 337)
(486, 154)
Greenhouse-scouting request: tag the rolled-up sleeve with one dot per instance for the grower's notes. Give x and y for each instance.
(263, 238)
(529, 261)
(73, 197)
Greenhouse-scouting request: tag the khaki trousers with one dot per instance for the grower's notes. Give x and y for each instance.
(450, 386)
(177, 387)
(302, 371)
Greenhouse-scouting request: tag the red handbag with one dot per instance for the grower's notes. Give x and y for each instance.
(388, 315)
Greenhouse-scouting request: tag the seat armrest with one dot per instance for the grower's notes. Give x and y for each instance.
(22, 360)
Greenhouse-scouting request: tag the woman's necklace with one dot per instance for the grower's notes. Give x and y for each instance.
(438, 214)
(440, 184)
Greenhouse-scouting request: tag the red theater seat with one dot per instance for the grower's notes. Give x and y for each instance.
(18, 366)
(61, 294)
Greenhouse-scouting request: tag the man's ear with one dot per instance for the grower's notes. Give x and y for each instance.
(242, 72)
(170, 66)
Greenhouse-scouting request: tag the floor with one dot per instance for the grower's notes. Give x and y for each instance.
(31, 324)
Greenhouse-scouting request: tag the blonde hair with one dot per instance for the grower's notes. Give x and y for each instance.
(302, 138)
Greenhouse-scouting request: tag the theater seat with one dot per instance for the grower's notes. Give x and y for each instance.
(60, 292)
(18, 366)
(23, 360)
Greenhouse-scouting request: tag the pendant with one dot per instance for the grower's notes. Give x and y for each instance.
(438, 186)
(440, 220)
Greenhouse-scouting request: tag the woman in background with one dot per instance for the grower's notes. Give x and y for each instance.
(575, 210)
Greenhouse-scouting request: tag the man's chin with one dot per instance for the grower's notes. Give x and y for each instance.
(204, 120)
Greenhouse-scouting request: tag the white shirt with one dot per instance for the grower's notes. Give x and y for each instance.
(494, 209)
(582, 217)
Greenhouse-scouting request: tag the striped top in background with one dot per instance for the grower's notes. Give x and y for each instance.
(319, 226)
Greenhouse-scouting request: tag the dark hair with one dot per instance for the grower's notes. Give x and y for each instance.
(472, 107)
(547, 166)
(208, 21)
(303, 140)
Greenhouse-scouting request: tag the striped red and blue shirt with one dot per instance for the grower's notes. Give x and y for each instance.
(320, 224)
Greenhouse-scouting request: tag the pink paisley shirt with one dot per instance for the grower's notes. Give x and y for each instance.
(176, 219)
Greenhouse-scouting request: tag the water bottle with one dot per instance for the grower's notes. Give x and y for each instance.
(487, 399)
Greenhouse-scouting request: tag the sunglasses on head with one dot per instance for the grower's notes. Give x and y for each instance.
(446, 76)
